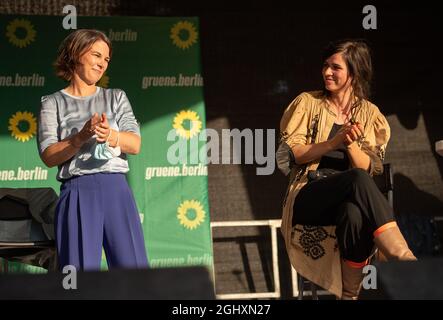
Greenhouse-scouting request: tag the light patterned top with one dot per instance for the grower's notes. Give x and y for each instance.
(63, 115)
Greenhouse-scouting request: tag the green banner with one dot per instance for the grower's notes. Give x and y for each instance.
(156, 61)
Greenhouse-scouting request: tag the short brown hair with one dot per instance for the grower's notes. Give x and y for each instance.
(71, 49)
(357, 55)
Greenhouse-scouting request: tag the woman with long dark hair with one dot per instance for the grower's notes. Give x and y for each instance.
(333, 212)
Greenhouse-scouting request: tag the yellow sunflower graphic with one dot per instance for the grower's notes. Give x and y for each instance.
(194, 123)
(14, 32)
(178, 32)
(183, 217)
(23, 126)
(103, 82)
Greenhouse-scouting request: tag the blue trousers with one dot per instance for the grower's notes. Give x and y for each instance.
(96, 211)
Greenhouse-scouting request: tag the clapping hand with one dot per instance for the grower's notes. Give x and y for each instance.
(347, 134)
(352, 133)
(88, 129)
(102, 130)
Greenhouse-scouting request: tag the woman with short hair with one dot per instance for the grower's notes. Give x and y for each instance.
(87, 131)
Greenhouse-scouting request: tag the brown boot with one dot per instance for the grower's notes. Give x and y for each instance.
(392, 244)
(352, 278)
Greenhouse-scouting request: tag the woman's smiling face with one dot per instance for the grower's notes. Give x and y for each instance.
(336, 74)
(93, 63)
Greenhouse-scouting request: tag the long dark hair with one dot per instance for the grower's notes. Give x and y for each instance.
(357, 56)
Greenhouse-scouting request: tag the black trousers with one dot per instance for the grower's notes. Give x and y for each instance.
(352, 202)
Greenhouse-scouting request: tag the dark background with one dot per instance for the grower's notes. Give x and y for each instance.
(256, 58)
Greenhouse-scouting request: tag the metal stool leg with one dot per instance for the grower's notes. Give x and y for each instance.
(300, 284)
(314, 291)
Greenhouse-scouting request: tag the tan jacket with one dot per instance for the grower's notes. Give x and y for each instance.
(313, 251)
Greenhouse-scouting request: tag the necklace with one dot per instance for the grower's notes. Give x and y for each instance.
(342, 113)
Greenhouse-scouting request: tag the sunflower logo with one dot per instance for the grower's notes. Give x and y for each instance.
(193, 120)
(20, 32)
(183, 34)
(23, 126)
(190, 214)
(103, 82)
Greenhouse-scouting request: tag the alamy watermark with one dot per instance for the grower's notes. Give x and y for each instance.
(370, 279)
(70, 20)
(258, 146)
(370, 20)
(70, 281)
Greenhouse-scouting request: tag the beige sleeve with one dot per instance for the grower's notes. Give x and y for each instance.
(376, 141)
(294, 122)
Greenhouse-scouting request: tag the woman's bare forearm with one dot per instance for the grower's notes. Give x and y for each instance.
(358, 158)
(62, 151)
(310, 152)
(129, 142)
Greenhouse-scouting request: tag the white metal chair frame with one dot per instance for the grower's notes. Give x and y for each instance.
(273, 224)
(386, 181)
